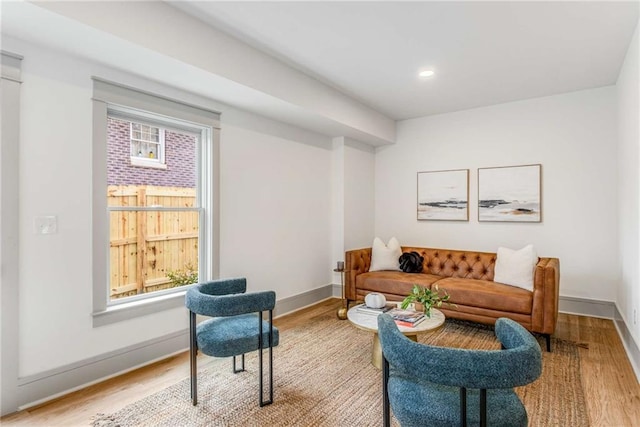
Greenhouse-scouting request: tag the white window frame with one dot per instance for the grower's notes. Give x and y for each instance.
(157, 162)
(115, 100)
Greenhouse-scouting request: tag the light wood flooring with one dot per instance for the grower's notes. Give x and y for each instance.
(610, 386)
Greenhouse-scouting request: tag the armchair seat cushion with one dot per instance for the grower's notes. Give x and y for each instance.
(413, 400)
(232, 336)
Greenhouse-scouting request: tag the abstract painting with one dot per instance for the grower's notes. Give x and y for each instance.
(443, 195)
(510, 193)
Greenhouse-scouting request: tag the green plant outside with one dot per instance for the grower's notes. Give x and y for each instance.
(427, 297)
(183, 277)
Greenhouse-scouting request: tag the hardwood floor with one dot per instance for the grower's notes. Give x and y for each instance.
(610, 386)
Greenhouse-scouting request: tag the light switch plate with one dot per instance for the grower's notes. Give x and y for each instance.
(46, 224)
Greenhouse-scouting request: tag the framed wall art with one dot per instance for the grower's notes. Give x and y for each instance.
(443, 195)
(510, 193)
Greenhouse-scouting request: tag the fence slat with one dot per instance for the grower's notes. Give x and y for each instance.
(123, 242)
(142, 239)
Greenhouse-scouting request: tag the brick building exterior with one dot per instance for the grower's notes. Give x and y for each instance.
(179, 156)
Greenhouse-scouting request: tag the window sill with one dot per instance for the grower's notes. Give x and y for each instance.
(133, 309)
(145, 163)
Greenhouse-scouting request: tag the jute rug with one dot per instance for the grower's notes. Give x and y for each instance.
(323, 377)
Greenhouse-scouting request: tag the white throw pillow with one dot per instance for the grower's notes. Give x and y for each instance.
(385, 257)
(516, 267)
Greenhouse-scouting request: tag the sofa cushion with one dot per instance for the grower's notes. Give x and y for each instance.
(385, 257)
(393, 282)
(487, 294)
(515, 267)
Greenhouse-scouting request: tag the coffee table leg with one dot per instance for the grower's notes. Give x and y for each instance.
(376, 352)
(376, 349)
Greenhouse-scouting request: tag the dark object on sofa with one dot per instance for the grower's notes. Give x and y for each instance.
(439, 386)
(467, 276)
(411, 262)
(236, 326)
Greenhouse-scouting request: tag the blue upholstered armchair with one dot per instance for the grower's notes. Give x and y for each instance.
(236, 327)
(437, 386)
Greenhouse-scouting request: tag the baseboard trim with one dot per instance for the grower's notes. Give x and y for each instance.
(587, 307)
(630, 345)
(305, 299)
(336, 291)
(36, 389)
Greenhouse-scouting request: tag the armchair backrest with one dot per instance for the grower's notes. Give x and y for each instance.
(227, 297)
(518, 364)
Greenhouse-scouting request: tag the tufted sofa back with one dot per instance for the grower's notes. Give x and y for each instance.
(460, 264)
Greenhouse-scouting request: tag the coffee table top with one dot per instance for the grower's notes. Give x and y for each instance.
(369, 322)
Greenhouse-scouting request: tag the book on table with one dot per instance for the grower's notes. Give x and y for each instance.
(362, 308)
(409, 324)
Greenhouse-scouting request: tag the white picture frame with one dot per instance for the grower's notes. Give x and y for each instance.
(443, 195)
(510, 194)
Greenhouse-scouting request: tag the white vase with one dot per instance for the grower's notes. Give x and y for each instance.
(375, 300)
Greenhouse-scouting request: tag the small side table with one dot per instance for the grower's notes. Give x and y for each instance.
(342, 311)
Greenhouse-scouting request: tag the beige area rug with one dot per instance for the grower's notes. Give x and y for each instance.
(323, 377)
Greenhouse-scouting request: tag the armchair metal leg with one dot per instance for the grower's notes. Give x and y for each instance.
(235, 370)
(260, 364)
(270, 356)
(463, 407)
(193, 352)
(548, 339)
(386, 416)
(483, 407)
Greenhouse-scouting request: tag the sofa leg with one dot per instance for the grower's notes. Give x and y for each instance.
(547, 337)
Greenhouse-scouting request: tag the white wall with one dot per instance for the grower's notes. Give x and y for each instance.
(573, 136)
(359, 195)
(274, 229)
(628, 88)
(275, 207)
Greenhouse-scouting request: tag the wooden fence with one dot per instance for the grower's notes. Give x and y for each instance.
(146, 245)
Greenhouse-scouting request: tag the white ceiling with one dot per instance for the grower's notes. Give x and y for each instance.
(484, 53)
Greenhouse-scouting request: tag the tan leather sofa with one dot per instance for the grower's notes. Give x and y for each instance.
(467, 277)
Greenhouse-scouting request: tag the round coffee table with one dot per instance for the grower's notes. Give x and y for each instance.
(369, 322)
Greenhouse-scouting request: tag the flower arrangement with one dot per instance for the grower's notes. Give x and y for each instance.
(426, 297)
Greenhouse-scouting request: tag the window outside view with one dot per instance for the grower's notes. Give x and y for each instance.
(154, 217)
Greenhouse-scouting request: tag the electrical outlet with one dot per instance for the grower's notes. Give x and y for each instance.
(635, 316)
(46, 224)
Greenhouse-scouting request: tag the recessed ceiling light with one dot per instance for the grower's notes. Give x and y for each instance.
(426, 73)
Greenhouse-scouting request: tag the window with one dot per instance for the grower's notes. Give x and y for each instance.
(155, 227)
(154, 215)
(147, 145)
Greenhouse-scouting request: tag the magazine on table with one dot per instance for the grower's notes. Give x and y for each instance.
(370, 310)
(409, 316)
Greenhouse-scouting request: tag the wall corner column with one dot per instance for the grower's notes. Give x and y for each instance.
(9, 231)
(337, 204)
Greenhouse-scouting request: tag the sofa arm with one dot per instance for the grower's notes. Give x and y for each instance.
(356, 262)
(546, 293)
